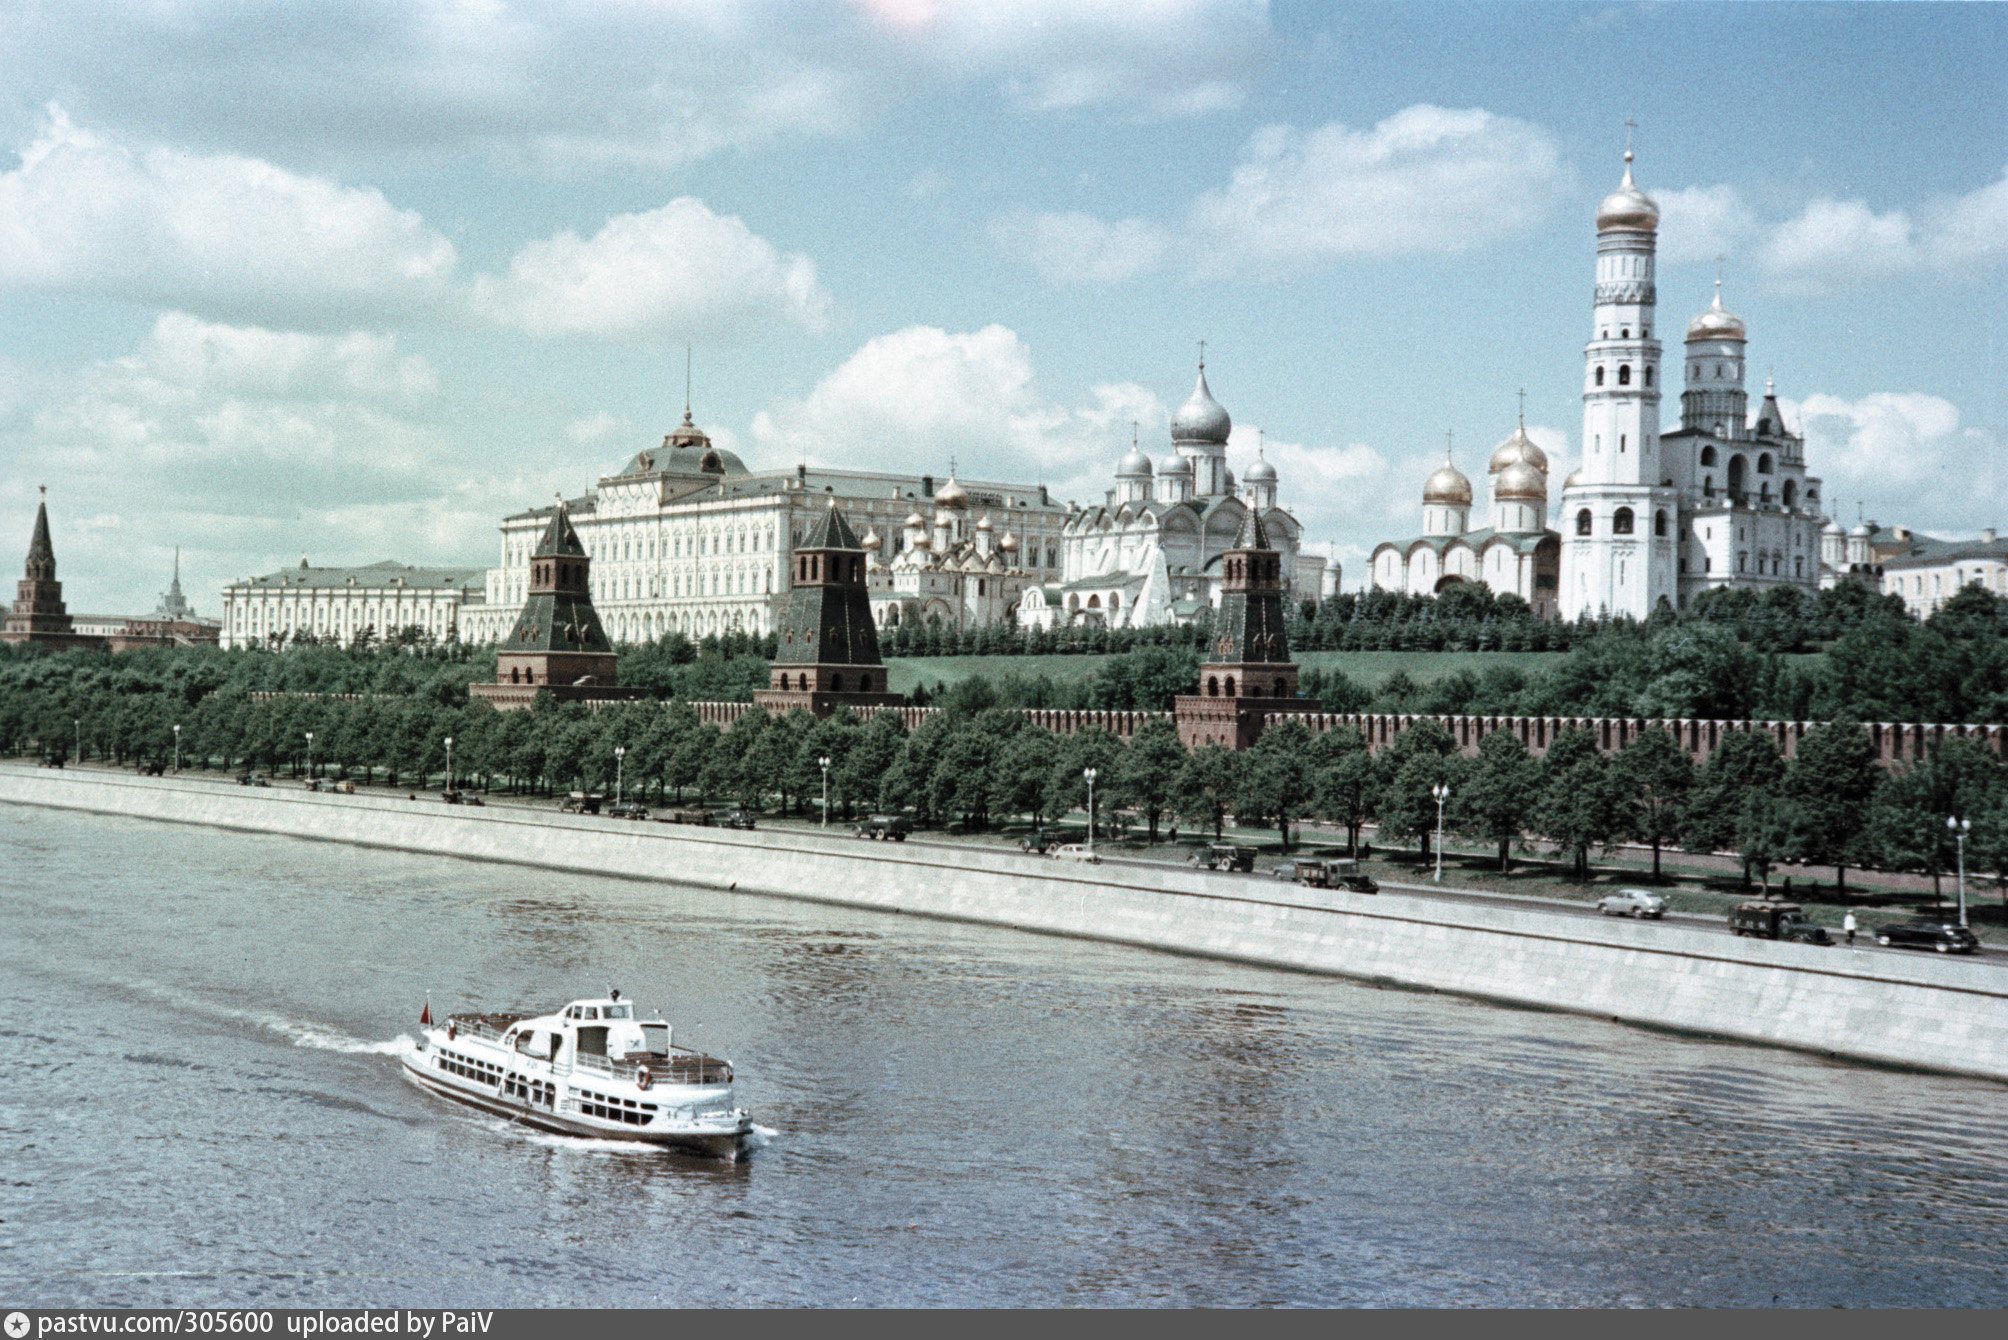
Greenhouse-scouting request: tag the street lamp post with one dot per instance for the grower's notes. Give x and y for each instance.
(1960, 828)
(1442, 793)
(824, 763)
(310, 756)
(78, 722)
(177, 746)
(620, 766)
(449, 763)
(1089, 773)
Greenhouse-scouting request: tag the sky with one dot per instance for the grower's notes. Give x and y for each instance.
(354, 281)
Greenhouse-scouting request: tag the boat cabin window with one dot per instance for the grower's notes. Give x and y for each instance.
(593, 1041)
(655, 1038)
(620, 1012)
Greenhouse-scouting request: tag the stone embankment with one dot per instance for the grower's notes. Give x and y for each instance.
(1927, 1012)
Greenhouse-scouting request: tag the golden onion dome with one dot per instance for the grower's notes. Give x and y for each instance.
(1516, 449)
(1521, 482)
(1447, 486)
(952, 495)
(1628, 206)
(1717, 323)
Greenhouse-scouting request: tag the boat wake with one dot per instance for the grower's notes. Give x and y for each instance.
(300, 1032)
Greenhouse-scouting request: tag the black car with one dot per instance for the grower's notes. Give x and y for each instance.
(1933, 930)
(732, 819)
(627, 809)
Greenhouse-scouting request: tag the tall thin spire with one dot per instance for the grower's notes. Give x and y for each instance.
(686, 382)
(1630, 126)
(1523, 409)
(1449, 439)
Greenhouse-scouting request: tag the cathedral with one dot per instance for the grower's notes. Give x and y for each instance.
(1152, 552)
(1647, 519)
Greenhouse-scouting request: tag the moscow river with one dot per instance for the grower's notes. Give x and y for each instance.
(207, 1109)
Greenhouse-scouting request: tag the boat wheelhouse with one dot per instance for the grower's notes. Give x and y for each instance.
(592, 1069)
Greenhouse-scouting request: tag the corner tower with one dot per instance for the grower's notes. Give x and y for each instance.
(1618, 509)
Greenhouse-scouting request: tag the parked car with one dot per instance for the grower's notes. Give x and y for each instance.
(152, 767)
(580, 803)
(53, 761)
(1632, 903)
(1930, 930)
(1340, 872)
(260, 779)
(880, 827)
(700, 818)
(732, 819)
(1223, 856)
(1076, 851)
(627, 809)
(1776, 921)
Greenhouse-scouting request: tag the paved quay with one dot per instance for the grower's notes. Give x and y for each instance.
(1920, 1011)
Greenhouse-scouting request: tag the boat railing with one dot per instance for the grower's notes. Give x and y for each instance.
(679, 1067)
(491, 1027)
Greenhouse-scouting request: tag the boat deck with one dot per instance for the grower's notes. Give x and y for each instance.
(680, 1065)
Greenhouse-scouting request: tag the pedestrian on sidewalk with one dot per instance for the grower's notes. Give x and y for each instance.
(1848, 925)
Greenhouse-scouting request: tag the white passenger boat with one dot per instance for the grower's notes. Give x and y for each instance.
(591, 1069)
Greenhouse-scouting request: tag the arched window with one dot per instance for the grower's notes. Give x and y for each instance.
(1624, 374)
(1213, 686)
(1789, 493)
(1583, 522)
(1659, 522)
(1230, 686)
(864, 683)
(1648, 374)
(1621, 521)
(1600, 375)
(1708, 486)
(836, 683)
(1737, 467)
(1282, 689)
(1764, 464)
(1708, 455)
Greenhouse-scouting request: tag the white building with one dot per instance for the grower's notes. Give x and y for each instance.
(1724, 500)
(1933, 571)
(685, 538)
(1150, 554)
(338, 604)
(950, 571)
(1514, 552)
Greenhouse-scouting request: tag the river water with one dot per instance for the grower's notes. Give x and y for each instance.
(204, 1106)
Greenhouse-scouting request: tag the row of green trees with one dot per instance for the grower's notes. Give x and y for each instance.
(977, 764)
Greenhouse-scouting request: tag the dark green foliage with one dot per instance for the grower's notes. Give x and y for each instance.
(1729, 807)
(1653, 777)
(1147, 772)
(1495, 802)
(1275, 781)
(1579, 805)
(1420, 759)
(1830, 791)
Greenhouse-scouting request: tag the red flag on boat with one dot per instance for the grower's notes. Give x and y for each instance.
(426, 1018)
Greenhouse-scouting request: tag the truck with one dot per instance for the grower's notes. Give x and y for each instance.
(1223, 856)
(1767, 920)
(580, 802)
(880, 827)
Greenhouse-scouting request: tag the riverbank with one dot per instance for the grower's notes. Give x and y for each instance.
(1925, 1012)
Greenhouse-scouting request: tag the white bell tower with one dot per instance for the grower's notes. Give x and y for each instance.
(1618, 516)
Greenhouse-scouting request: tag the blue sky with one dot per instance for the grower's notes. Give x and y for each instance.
(356, 280)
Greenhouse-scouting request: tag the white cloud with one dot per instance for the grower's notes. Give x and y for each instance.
(1341, 494)
(185, 351)
(675, 270)
(1838, 242)
(1427, 179)
(220, 234)
(1699, 223)
(1079, 248)
(1905, 456)
(915, 398)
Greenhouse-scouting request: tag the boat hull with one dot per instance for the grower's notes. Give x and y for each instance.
(725, 1142)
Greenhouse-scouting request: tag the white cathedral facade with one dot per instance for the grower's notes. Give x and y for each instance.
(1722, 500)
(1150, 554)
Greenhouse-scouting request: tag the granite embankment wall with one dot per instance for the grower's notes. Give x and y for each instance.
(1923, 1011)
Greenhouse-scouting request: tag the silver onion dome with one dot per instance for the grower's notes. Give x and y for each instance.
(1447, 486)
(1201, 418)
(1516, 449)
(1521, 482)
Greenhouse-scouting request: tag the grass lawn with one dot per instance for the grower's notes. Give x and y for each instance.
(1363, 667)
(904, 672)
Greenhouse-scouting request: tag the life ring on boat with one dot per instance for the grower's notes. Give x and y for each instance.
(642, 1079)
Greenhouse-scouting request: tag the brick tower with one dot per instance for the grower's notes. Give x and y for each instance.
(1250, 675)
(557, 643)
(38, 614)
(827, 654)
